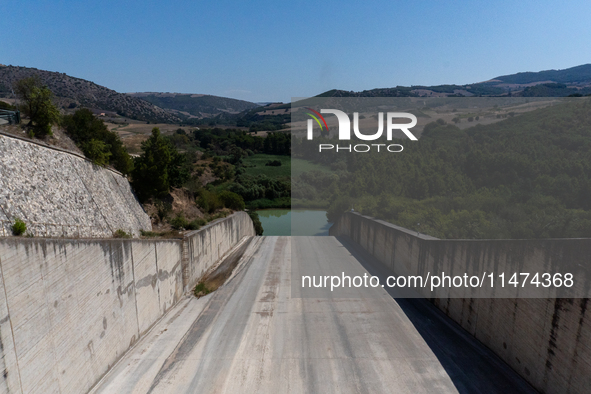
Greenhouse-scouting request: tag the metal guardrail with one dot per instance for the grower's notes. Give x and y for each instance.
(12, 117)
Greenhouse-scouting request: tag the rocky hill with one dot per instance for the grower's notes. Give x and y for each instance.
(71, 93)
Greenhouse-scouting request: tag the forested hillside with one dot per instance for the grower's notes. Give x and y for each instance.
(195, 105)
(524, 177)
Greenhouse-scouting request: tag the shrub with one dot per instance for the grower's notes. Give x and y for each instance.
(7, 106)
(209, 201)
(258, 226)
(19, 227)
(219, 215)
(232, 200)
(149, 233)
(179, 222)
(162, 209)
(273, 163)
(97, 151)
(201, 290)
(196, 224)
(121, 234)
(96, 141)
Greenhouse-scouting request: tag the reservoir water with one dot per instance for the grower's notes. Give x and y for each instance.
(294, 222)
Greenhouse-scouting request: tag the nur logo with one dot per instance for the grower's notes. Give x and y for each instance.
(345, 129)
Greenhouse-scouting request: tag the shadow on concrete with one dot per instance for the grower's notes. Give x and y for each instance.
(324, 230)
(472, 367)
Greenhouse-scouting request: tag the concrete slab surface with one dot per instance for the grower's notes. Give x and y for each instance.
(253, 335)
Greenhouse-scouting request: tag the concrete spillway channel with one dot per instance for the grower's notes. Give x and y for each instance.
(256, 334)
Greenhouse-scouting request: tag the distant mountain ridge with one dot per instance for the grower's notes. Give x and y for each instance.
(72, 92)
(548, 83)
(195, 105)
(157, 107)
(578, 74)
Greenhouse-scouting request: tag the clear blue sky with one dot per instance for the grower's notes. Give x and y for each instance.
(275, 50)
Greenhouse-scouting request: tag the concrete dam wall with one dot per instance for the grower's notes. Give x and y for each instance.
(62, 194)
(203, 248)
(69, 309)
(546, 340)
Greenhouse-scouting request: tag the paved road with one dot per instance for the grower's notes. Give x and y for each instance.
(257, 334)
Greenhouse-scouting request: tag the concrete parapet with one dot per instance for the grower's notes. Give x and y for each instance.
(204, 247)
(546, 340)
(70, 308)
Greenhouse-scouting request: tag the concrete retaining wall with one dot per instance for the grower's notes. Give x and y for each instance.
(546, 340)
(69, 309)
(60, 194)
(203, 248)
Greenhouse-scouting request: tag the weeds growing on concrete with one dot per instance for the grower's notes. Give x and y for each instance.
(201, 290)
(121, 234)
(163, 234)
(19, 227)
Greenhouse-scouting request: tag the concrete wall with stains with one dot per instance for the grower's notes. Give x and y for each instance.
(70, 308)
(62, 194)
(206, 246)
(546, 340)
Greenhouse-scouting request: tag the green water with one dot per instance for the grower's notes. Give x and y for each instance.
(293, 222)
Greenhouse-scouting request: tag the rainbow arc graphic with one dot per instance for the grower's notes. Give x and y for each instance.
(316, 118)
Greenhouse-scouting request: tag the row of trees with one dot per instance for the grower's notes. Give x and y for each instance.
(275, 143)
(89, 133)
(159, 168)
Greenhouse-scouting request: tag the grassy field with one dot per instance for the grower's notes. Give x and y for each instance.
(135, 132)
(255, 165)
(300, 166)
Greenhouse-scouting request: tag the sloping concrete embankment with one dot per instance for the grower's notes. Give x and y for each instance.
(546, 340)
(69, 309)
(58, 193)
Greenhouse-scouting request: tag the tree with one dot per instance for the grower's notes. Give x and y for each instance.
(159, 168)
(232, 200)
(37, 105)
(97, 151)
(86, 130)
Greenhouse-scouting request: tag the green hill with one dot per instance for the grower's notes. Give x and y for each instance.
(552, 83)
(195, 105)
(527, 176)
(570, 75)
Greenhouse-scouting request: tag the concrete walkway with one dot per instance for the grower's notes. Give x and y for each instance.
(258, 335)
